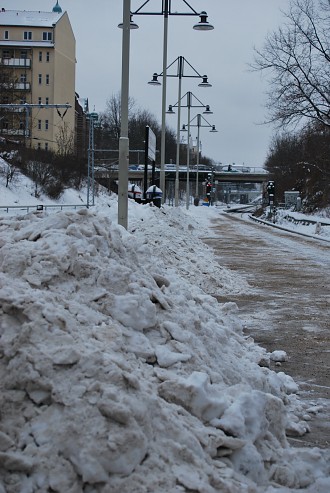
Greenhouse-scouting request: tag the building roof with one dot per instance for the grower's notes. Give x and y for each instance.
(29, 18)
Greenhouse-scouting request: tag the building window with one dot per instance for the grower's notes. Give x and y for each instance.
(39, 124)
(46, 146)
(23, 54)
(47, 36)
(27, 35)
(6, 35)
(21, 125)
(40, 56)
(5, 124)
(5, 54)
(46, 124)
(39, 146)
(47, 100)
(23, 78)
(47, 79)
(23, 100)
(40, 79)
(47, 56)
(39, 100)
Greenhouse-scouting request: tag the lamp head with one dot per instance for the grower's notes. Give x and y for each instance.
(183, 129)
(204, 82)
(132, 24)
(93, 116)
(154, 81)
(207, 110)
(203, 24)
(170, 110)
(213, 129)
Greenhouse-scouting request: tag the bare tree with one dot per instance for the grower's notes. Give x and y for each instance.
(9, 172)
(40, 173)
(300, 161)
(296, 58)
(111, 117)
(65, 140)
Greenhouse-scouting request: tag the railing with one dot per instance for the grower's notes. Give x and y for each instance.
(242, 169)
(306, 221)
(41, 207)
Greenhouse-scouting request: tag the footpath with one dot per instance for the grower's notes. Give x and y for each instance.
(287, 307)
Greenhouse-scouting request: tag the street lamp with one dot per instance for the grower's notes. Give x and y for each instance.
(189, 105)
(180, 74)
(92, 118)
(199, 124)
(123, 140)
(166, 11)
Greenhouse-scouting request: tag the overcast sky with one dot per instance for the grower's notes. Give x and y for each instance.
(237, 95)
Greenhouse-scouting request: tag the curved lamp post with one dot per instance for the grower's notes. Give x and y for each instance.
(181, 61)
(166, 11)
(199, 124)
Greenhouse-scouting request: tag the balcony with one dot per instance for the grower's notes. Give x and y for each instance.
(22, 86)
(13, 131)
(16, 62)
(18, 86)
(14, 109)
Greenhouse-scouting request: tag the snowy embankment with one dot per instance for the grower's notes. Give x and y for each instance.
(121, 373)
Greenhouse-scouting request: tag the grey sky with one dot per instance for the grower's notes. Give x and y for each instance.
(236, 97)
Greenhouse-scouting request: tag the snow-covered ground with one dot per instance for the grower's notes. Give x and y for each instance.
(119, 370)
(316, 225)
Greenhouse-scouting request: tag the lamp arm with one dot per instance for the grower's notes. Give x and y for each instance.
(141, 7)
(202, 104)
(193, 11)
(199, 75)
(209, 124)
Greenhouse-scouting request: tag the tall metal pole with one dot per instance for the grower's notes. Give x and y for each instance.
(163, 130)
(176, 191)
(93, 176)
(89, 163)
(188, 151)
(124, 141)
(197, 164)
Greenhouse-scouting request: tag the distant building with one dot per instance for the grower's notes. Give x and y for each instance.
(82, 126)
(37, 66)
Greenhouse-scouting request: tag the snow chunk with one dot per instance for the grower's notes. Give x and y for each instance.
(133, 311)
(166, 358)
(280, 356)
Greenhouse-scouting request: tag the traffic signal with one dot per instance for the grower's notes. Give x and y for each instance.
(271, 188)
(208, 188)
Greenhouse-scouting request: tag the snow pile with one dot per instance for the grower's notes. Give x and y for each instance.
(121, 373)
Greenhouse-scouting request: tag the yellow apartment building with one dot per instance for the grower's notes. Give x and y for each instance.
(37, 67)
